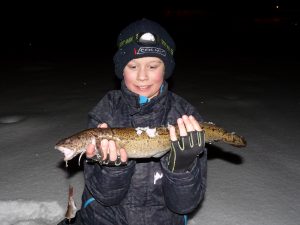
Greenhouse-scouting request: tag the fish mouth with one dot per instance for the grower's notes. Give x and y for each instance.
(68, 153)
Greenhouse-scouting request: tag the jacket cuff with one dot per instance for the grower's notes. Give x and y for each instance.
(108, 185)
(191, 171)
(97, 174)
(184, 191)
(117, 170)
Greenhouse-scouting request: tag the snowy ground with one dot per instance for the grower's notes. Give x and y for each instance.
(258, 98)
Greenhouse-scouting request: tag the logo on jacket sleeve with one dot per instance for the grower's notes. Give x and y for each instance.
(157, 176)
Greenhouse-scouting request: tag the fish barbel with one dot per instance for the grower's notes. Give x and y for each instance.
(139, 142)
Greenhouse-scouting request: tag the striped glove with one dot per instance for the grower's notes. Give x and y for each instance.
(185, 150)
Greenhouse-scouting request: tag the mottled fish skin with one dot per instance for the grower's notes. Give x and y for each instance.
(214, 133)
(140, 145)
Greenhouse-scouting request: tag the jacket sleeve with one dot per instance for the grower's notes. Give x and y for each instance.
(184, 191)
(102, 112)
(108, 185)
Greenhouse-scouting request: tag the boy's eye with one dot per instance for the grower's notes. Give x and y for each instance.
(132, 66)
(153, 66)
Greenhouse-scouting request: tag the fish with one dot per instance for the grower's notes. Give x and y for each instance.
(140, 142)
(71, 208)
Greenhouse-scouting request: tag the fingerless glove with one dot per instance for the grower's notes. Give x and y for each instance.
(185, 150)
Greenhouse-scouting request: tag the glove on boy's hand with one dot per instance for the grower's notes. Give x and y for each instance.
(184, 151)
(107, 162)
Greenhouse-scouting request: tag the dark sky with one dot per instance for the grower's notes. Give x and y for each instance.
(77, 26)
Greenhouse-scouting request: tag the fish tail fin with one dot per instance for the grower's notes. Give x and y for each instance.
(216, 133)
(234, 139)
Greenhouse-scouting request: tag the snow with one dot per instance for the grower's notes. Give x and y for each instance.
(23, 212)
(44, 101)
(151, 132)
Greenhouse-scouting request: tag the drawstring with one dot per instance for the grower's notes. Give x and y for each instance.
(185, 217)
(87, 202)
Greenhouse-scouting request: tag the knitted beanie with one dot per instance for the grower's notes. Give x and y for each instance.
(161, 45)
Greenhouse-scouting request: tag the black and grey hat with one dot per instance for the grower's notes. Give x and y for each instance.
(144, 38)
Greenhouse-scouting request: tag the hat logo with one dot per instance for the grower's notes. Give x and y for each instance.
(151, 50)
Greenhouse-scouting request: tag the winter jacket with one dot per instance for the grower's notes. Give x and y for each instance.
(144, 192)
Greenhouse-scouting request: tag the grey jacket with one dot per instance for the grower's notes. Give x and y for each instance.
(144, 191)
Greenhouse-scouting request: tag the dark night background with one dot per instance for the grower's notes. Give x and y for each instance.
(36, 31)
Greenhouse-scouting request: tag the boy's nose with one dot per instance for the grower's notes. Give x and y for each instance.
(142, 74)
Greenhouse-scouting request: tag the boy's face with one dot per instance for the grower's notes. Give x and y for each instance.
(144, 76)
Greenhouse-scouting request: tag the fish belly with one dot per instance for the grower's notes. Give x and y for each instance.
(146, 147)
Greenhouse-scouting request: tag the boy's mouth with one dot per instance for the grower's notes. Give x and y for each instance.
(144, 87)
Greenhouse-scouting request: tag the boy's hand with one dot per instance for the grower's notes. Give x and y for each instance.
(191, 144)
(108, 151)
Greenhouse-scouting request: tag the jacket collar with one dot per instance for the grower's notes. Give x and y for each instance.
(133, 99)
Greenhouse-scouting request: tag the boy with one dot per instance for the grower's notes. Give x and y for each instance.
(144, 191)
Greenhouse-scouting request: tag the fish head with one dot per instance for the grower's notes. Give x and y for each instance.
(71, 146)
